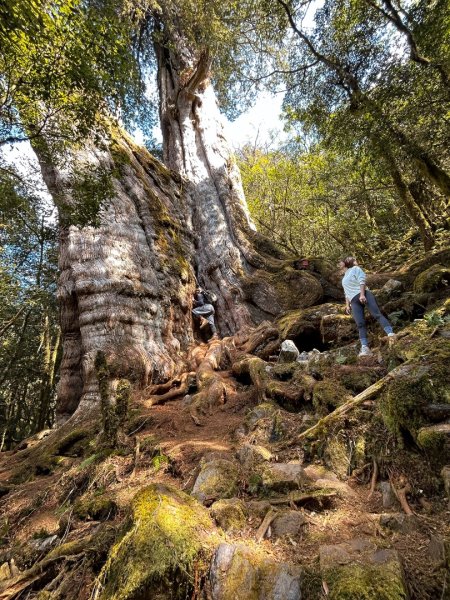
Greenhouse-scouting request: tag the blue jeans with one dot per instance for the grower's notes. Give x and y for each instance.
(207, 312)
(358, 315)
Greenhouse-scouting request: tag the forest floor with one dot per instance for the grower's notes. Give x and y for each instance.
(56, 497)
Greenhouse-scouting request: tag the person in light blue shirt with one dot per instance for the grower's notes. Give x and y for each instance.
(357, 297)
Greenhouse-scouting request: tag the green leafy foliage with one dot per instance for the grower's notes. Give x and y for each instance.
(63, 64)
(319, 201)
(29, 334)
(360, 82)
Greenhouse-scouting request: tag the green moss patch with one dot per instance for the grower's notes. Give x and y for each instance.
(96, 506)
(404, 399)
(328, 395)
(366, 582)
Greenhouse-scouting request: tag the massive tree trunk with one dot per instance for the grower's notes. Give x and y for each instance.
(125, 287)
(251, 278)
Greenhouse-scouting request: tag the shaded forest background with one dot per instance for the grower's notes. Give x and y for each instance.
(364, 170)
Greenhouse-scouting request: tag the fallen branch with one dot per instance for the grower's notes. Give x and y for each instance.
(373, 481)
(262, 529)
(351, 403)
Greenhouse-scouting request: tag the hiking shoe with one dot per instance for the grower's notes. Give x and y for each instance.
(365, 351)
(391, 337)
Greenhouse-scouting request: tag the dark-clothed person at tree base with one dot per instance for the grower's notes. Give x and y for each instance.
(204, 309)
(357, 297)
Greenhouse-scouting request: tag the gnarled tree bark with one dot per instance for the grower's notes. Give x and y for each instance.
(250, 277)
(125, 287)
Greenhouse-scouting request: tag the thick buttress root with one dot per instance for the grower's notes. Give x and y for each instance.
(212, 388)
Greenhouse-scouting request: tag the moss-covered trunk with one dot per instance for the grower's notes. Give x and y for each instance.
(125, 286)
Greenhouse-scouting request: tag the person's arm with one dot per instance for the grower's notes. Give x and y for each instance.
(348, 306)
(361, 278)
(362, 294)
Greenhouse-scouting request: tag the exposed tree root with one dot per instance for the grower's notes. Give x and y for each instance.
(184, 383)
(11, 588)
(401, 492)
(374, 478)
(258, 340)
(212, 389)
(255, 369)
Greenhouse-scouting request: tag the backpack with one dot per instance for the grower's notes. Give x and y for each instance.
(210, 297)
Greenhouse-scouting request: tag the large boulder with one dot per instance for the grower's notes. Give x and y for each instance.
(276, 293)
(283, 477)
(422, 382)
(337, 329)
(304, 326)
(229, 514)
(435, 440)
(435, 278)
(287, 523)
(250, 455)
(169, 533)
(240, 572)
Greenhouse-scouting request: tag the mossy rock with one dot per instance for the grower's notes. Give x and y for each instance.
(171, 536)
(250, 455)
(415, 343)
(405, 398)
(245, 572)
(283, 290)
(217, 479)
(434, 278)
(266, 410)
(265, 422)
(357, 378)
(337, 456)
(328, 395)
(229, 514)
(305, 322)
(435, 441)
(96, 507)
(283, 477)
(286, 371)
(357, 582)
(358, 570)
(337, 329)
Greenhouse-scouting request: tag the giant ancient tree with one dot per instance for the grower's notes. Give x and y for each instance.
(126, 286)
